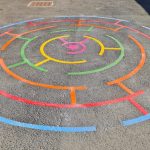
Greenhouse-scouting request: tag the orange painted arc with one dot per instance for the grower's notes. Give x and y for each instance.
(139, 66)
(15, 37)
(17, 77)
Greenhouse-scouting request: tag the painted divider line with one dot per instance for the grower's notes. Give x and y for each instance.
(47, 128)
(16, 64)
(136, 120)
(19, 23)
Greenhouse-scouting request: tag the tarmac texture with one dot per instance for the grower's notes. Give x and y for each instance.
(74, 76)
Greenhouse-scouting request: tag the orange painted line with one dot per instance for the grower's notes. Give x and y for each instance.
(8, 43)
(39, 29)
(14, 38)
(139, 66)
(125, 88)
(96, 26)
(134, 30)
(73, 96)
(78, 22)
(17, 77)
(122, 27)
(95, 21)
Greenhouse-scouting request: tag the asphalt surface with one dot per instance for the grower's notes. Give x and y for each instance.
(110, 133)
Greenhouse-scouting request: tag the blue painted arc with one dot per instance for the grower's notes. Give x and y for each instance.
(47, 128)
(136, 120)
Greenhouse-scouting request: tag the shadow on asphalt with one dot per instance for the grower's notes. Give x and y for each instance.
(145, 4)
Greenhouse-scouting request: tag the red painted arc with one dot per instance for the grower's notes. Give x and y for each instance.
(85, 105)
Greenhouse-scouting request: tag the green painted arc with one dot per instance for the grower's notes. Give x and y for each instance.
(107, 66)
(27, 60)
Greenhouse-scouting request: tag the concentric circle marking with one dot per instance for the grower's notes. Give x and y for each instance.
(74, 47)
(48, 58)
(121, 48)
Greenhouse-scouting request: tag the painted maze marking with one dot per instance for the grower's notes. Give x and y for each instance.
(27, 60)
(22, 34)
(136, 120)
(73, 89)
(74, 46)
(49, 58)
(47, 128)
(91, 17)
(133, 72)
(26, 44)
(19, 23)
(86, 105)
(101, 52)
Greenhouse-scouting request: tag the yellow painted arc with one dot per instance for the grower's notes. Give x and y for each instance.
(99, 43)
(103, 48)
(48, 58)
